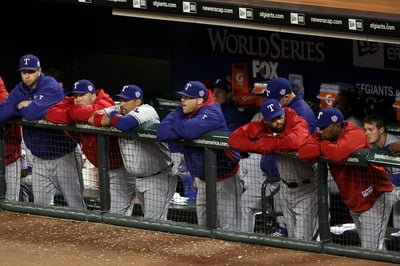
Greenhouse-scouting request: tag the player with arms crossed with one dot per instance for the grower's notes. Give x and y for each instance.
(366, 191)
(55, 165)
(282, 130)
(78, 108)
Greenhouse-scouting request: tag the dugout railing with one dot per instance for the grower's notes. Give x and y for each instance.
(211, 142)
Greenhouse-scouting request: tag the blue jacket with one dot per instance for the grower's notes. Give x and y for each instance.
(234, 118)
(304, 110)
(42, 142)
(176, 125)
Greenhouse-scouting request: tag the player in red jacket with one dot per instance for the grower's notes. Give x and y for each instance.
(79, 107)
(12, 152)
(366, 191)
(282, 130)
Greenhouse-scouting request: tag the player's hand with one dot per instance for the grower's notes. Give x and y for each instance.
(394, 148)
(24, 104)
(101, 112)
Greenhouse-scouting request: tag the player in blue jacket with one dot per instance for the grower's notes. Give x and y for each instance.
(197, 115)
(222, 92)
(55, 167)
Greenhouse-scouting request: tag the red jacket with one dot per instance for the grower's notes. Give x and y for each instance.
(66, 112)
(258, 138)
(12, 133)
(359, 186)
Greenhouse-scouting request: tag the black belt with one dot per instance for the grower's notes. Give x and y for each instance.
(159, 172)
(294, 184)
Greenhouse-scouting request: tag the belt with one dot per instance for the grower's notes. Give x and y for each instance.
(159, 172)
(294, 184)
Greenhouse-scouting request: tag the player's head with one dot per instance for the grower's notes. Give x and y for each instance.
(222, 90)
(374, 128)
(279, 89)
(84, 92)
(29, 67)
(273, 114)
(130, 97)
(330, 123)
(193, 96)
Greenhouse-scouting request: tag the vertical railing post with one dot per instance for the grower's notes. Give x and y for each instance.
(104, 179)
(211, 186)
(323, 202)
(3, 185)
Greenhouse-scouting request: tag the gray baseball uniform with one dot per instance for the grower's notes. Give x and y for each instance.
(151, 164)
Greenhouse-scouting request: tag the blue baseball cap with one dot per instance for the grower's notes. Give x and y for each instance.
(328, 116)
(271, 109)
(194, 89)
(83, 86)
(223, 84)
(130, 92)
(277, 88)
(29, 62)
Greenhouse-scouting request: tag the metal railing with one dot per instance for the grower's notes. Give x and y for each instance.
(212, 142)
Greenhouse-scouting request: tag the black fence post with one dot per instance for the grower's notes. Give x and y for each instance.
(3, 185)
(104, 180)
(211, 186)
(323, 202)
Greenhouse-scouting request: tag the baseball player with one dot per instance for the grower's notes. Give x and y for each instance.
(12, 141)
(197, 115)
(55, 167)
(282, 130)
(374, 127)
(79, 107)
(281, 90)
(366, 191)
(149, 163)
(222, 92)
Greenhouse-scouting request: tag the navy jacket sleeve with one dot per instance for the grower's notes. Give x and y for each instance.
(48, 93)
(177, 126)
(165, 130)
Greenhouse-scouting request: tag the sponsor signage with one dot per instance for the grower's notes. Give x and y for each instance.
(269, 16)
(376, 55)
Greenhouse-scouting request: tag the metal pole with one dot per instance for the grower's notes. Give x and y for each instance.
(211, 186)
(323, 204)
(3, 185)
(104, 180)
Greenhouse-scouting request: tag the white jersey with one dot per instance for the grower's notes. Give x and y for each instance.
(144, 158)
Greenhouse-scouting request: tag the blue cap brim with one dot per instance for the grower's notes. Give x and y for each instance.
(124, 97)
(28, 68)
(184, 94)
(276, 114)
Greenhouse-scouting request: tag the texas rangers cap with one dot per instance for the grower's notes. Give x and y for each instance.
(130, 92)
(29, 62)
(277, 88)
(271, 109)
(328, 116)
(83, 86)
(194, 89)
(223, 84)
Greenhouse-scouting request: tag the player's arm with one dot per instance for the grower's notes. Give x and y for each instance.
(343, 147)
(165, 130)
(100, 119)
(244, 138)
